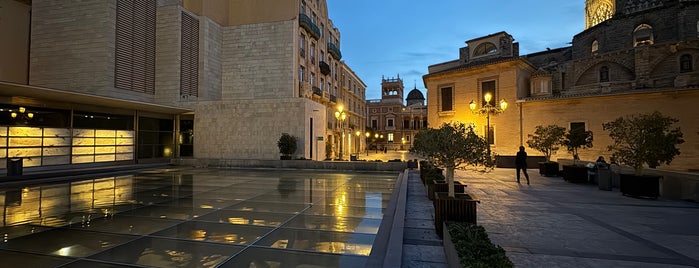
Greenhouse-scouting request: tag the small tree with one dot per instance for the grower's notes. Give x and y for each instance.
(547, 139)
(450, 147)
(644, 139)
(287, 145)
(577, 139)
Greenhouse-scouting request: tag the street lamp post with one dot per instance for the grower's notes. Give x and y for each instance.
(340, 115)
(487, 110)
(366, 143)
(358, 133)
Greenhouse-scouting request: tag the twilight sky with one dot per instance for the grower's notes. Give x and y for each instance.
(391, 37)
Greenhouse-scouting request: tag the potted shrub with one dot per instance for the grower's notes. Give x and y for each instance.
(575, 140)
(450, 147)
(641, 140)
(547, 141)
(287, 146)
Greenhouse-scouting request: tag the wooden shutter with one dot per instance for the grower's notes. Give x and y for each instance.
(135, 46)
(189, 65)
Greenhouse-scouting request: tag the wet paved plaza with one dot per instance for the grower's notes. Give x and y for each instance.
(197, 218)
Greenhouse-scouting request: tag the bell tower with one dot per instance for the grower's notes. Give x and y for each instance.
(597, 11)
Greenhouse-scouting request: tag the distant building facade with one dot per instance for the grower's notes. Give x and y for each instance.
(392, 123)
(201, 79)
(633, 57)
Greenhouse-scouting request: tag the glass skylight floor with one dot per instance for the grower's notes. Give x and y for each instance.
(197, 218)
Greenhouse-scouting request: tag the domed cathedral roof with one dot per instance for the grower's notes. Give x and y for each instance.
(415, 97)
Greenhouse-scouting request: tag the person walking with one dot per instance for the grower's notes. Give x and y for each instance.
(521, 163)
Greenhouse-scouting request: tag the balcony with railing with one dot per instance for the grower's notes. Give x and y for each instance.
(333, 98)
(324, 67)
(310, 27)
(317, 91)
(334, 51)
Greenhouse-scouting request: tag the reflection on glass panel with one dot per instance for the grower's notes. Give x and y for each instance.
(320, 241)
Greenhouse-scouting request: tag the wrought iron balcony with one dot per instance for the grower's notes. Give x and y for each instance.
(333, 98)
(324, 67)
(317, 91)
(334, 51)
(306, 23)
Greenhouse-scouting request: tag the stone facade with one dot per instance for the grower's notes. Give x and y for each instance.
(392, 120)
(250, 86)
(642, 59)
(258, 61)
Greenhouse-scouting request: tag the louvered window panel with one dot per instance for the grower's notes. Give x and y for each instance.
(189, 65)
(135, 46)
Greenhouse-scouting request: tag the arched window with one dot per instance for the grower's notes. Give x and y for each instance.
(485, 49)
(643, 35)
(604, 74)
(686, 63)
(595, 47)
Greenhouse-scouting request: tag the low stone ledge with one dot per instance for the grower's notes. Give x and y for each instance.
(295, 164)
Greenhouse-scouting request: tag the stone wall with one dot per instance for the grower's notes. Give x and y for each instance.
(258, 61)
(72, 46)
(250, 129)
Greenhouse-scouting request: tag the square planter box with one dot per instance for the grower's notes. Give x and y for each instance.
(574, 174)
(461, 208)
(641, 186)
(441, 186)
(548, 169)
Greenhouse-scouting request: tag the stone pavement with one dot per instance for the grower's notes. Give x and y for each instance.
(553, 223)
(421, 245)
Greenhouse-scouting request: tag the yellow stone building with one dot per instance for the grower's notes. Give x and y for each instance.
(628, 60)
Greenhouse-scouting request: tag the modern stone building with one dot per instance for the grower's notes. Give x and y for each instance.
(633, 57)
(219, 79)
(391, 123)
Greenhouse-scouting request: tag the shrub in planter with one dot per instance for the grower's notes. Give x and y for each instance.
(450, 147)
(474, 248)
(641, 140)
(287, 146)
(547, 141)
(575, 140)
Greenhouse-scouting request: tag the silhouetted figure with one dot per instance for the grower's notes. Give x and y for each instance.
(521, 163)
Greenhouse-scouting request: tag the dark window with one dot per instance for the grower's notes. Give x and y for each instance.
(447, 102)
(189, 62)
(604, 74)
(484, 49)
(577, 126)
(186, 139)
(134, 65)
(686, 63)
(489, 87)
(406, 124)
(374, 123)
(390, 122)
(90, 120)
(155, 137)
